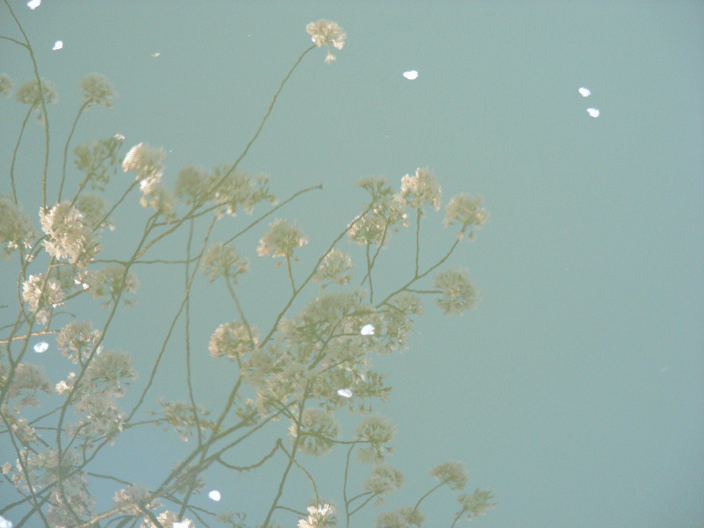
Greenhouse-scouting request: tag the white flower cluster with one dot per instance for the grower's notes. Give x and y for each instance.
(335, 269)
(324, 33)
(319, 517)
(149, 166)
(420, 189)
(37, 294)
(69, 234)
(233, 340)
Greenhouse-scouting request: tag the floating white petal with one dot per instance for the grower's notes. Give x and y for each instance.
(41, 347)
(345, 393)
(410, 75)
(4, 523)
(367, 329)
(155, 55)
(58, 45)
(214, 495)
(33, 4)
(593, 112)
(584, 92)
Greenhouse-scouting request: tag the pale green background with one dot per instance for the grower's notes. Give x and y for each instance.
(576, 388)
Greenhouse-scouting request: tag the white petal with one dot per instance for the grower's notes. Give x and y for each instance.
(367, 329)
(58, 45)
(593, 112)
(584, 92)
(345, 393)
(41, 347)
(410, 74)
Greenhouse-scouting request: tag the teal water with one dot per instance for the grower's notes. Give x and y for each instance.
(575, 389)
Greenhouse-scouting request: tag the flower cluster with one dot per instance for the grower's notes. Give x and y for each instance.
(324, 33)
(458, 292)
(316, 432)
(233, 340)
(149, 166)
(377, 431)
(419, 190)
(15, 226)
(451, 473)
(5, 85)
(335, 268)
(319, 517)
(131, 498)
(384, 480)
(111, 281)
(282, 239)
(97, 89)
(30, 93)
(77, 339)
(476, 503)
(69, 234)
(223, 261)
(183, 417)
(37, 294)
(466, 211)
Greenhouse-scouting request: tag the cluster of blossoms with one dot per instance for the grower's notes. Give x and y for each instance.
(458, 292)
(148, 163)
(183, 418)
(131, 498)
(466, 211)
(70, 235)
(5, 85)
(316, 431)
(384, 480)
(97, 90)
(229, 188)
(335, 269)
(419, 190)
(324, 33)
(223, 261)
(319, 517)
(16, 226)
(32, 92)
(233, 340)
(38, 294)
(281, 240)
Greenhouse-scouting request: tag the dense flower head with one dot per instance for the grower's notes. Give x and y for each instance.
(466, 211)
(282, 239)
(377, 431)
(94, 209)
(97, 90)
(458, 292)
(27, 381)
(169, 519)
(324, 33)
(37, 294)
(16, 226)
(420, 189)
(29, 93)
(233, 340)
(384, 480)
(110, 281)
(476, 503)
(451, 473)
(146, 161)
(223, 261)
(69, 234)
(321, 516)
(375, 227)
(77, 339)
(335, 268)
